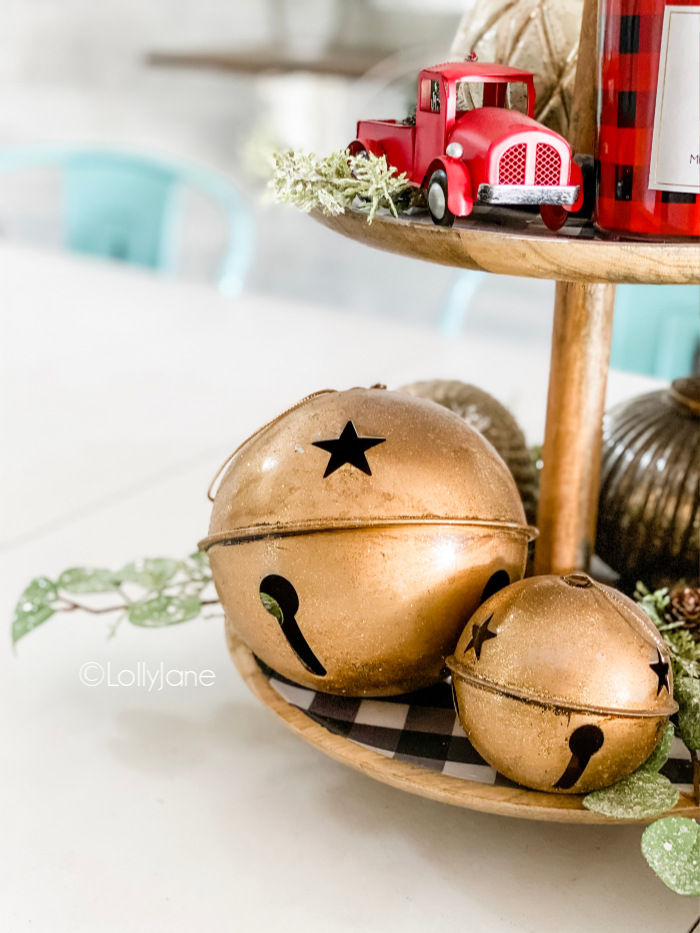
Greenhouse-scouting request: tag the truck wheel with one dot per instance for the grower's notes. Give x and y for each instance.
(553, 215)
(437, 200)
(356, 148)
(587, 166)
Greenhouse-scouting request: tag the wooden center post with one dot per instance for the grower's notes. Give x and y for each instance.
(581, 338)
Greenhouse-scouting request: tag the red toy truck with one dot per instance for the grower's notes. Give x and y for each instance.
(474, 139)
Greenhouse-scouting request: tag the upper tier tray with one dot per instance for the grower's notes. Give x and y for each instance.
(514, 243)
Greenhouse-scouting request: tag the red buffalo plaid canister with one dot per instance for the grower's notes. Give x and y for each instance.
(648, 116)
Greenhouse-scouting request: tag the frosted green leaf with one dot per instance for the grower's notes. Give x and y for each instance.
(40, 590)
(659, 756)
(272, 606)
(164, 610)
(152, 573)
(640, 795)
(687, 693)
(26, 621)
(643, 793)
(34, 607)
(672, 848)
(87, 580)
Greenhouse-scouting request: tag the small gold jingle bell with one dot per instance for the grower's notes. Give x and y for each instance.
(562, 684)
(352, 536)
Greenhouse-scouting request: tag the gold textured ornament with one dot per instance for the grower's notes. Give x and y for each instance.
(540, 36)
(562, 684)
(352, 536)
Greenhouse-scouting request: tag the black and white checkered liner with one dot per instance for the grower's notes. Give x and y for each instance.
(509, 220)
(422, 729)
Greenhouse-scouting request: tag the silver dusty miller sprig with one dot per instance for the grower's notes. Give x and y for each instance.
(335, 181)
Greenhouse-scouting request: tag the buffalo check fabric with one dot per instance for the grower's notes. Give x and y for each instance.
(629, 69)
(422, 729)
(509, 220)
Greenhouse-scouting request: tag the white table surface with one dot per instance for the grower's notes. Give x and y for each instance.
(194, 809)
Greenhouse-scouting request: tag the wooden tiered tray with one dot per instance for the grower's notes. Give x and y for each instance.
(585, 267)
(511, 243)
(490, 798)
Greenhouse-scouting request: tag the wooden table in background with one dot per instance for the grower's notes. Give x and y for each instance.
(343, 61)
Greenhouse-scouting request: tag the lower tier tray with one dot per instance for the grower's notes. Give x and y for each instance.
(415, 743)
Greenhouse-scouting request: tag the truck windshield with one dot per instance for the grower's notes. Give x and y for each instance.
(474, 94)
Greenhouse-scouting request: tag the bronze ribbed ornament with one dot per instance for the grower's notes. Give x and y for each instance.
(649, 513)
(562, 684)
(352, 537)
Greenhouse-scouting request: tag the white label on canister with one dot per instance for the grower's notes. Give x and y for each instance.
(675, 150)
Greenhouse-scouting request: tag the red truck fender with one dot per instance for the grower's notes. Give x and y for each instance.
(357, 146)
(459, 184)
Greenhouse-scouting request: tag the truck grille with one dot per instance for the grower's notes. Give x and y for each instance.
(547, 165)
(511, 168)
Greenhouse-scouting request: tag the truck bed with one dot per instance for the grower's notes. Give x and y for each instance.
(397, 140)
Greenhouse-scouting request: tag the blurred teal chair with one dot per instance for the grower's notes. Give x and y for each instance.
(127, 207)
(456, 309)
(656, 330)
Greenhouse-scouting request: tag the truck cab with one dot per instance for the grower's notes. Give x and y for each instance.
(475, 139)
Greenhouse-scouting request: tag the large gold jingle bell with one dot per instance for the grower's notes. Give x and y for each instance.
(562, 684)
(352, 537)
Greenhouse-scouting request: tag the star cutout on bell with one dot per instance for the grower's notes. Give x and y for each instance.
(660, 668)
(348, 448)
(480, 634)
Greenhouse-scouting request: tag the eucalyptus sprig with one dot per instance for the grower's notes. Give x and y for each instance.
(642, 794)
(332, 183)
(670, 845)
(672, 848)
(151, 593)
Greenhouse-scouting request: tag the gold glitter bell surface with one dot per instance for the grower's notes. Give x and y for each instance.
(351, 537)
(562, 684)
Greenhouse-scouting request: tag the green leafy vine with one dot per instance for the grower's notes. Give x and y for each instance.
(152, 593)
